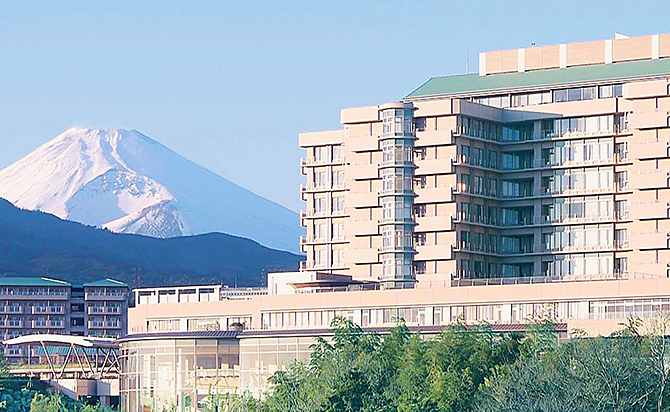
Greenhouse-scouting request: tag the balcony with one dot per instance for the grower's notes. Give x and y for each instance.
(38, 309)
(585, 248)
(433, 252)
(365, 226)
(538, 278)
(440, 194)
(495, 221)
(570, 220)
(361, 143)
(649, 210)
(435, 166)
(363, 255)
(434, 223)
(649, 179)
(361, 199)
(396, 248)
(106, 296)
(311, 188)
(397, 163)
(538, 164)
(649, 240)
(363, 171)
(311, 240)
(310, 161)
(648, 119)
(652, 149)
(434, 138)
(394, 191)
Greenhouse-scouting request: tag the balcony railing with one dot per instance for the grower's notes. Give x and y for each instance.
(536, 164)
(310, 161)
(308, 240)
(525, 280)
(396, 248)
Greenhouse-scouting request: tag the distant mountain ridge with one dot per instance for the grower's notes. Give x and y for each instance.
(129, 183)
(39, 244)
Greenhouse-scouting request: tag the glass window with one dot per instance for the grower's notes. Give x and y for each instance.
(589, 93)
(575, 94)
(606, 92)
(560, 96)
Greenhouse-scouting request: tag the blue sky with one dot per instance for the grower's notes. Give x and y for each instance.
(230, 85)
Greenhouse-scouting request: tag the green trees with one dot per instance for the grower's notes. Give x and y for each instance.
(624, 372)
(473, 369)
(368, 372)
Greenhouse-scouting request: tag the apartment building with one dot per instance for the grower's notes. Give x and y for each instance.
(549, 164)
(51, 306)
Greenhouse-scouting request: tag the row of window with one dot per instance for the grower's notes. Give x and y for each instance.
(18, 307)
(321, 178)
(321, 231)
(551, 96)
(328, 154)
(397, 122)
(589, 208)
(584, 179)
(550, 128)
(321, 204)
(589, 236)
(576, 265)
(100, 307)
(104, 322)
(495, 244)
(321, 259)
(559, 181)
(494, 313)
(105, 291)
(563, 153)
(33, 291)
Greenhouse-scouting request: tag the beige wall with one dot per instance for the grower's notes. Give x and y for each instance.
(575, 54)
(432, 293)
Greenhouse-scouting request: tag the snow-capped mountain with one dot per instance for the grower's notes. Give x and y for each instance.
(129, 183)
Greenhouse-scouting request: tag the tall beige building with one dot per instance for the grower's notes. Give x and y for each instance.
(551, 163)
(536, 189)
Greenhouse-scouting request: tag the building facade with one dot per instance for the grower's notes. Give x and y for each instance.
(50, 306)
(551, 163)
(538, 188)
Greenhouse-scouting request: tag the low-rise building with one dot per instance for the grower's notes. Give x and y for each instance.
(51, 306)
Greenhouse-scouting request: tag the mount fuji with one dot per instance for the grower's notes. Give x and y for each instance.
(126, 182)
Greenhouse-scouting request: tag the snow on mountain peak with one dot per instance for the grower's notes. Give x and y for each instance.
(128, 182)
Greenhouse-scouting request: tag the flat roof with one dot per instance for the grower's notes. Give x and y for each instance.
(186, 286)
(474, 83)
(31, 281)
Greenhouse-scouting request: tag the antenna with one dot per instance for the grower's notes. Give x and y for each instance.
(467, 62)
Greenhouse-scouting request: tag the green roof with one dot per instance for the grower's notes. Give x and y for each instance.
(474, 83)
(106, 283)
(16, 281)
